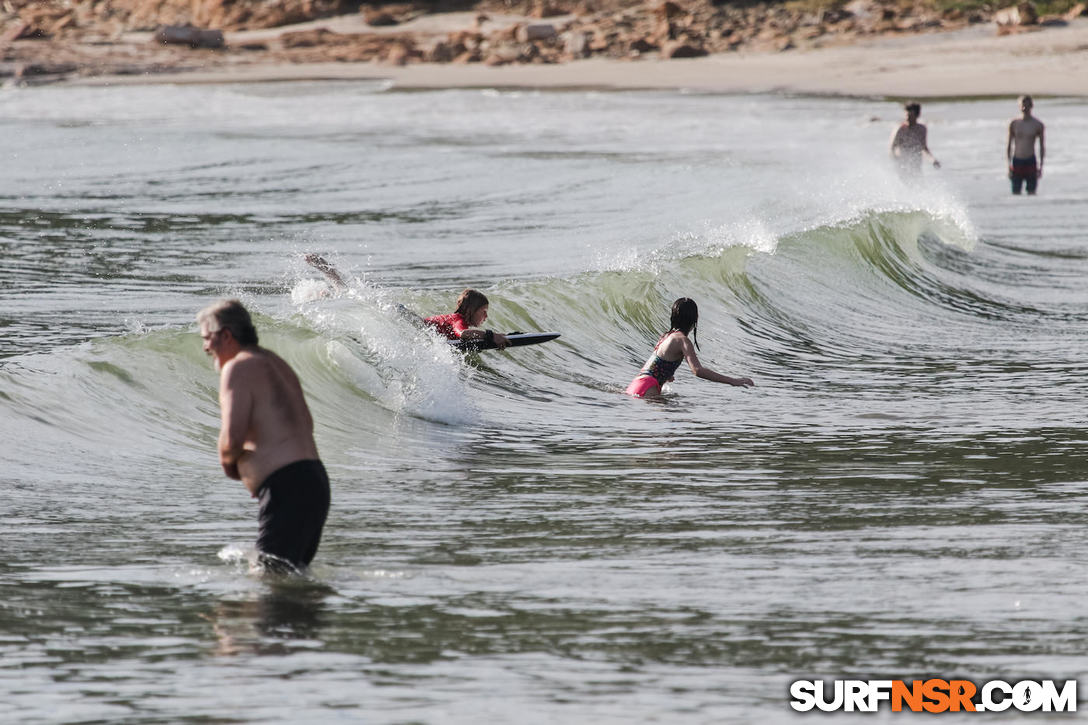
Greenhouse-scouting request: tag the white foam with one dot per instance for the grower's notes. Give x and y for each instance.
(405, 369)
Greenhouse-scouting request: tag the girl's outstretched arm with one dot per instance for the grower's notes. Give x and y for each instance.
(706, 373)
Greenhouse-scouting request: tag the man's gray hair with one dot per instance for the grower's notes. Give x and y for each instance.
(229, 315)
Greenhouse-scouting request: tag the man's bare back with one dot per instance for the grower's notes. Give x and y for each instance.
(909, 140)
(265, 413)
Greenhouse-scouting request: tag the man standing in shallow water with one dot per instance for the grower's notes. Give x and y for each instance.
(909, 143)
(1020, 148)
(267, 438)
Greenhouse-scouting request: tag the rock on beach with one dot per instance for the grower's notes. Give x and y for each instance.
(98, 37)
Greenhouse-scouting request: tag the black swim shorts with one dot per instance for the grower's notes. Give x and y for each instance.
(1021, 171)
(294, 503)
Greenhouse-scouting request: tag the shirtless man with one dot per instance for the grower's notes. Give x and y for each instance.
(909, 143)
(1020, 148)
(267, 438)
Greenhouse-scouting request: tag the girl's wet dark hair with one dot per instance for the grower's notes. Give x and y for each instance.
(685, 318)
(470, 301)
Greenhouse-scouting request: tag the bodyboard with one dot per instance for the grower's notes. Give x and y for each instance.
(517, 339)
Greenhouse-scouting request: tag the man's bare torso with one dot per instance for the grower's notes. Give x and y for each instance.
(280, 428)
(1024, 132)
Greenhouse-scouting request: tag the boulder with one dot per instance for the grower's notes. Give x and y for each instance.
(860, 9)
(528, 53)
(680, 49)
(830, 15)
(397, 54)
(469, 39)
(34, 27)
(226, 14)
(536, 31)
(584, 7)
(27, 70)
(509, 34)
(441, 52)
(667, 11)
(576, 44)
(309, 38)
(469, 56)
(384, 15)
(377, 18)
(545, 10)
(20, 31)
(519, 53)
(601, 40)
(1022, 14)
(188, 35)
(64, 22)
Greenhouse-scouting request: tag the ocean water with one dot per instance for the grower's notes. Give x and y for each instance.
(511, 539)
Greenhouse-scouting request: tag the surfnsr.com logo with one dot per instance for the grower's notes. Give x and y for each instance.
(933, 695)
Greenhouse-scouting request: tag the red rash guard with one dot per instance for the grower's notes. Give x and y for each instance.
(451, 325)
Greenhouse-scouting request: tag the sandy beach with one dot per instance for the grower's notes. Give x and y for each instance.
(971, 62)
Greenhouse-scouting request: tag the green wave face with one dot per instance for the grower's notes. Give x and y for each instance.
(836, 290)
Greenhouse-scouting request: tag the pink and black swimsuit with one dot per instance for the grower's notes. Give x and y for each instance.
(658, 372)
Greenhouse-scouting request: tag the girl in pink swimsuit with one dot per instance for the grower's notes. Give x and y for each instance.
(672, 349)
